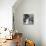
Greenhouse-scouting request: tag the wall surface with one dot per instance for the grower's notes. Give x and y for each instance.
(6, 13)
(29, 31)
(43, 22)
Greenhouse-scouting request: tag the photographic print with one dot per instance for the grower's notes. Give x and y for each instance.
(28, 19)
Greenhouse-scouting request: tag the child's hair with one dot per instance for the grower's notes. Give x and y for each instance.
(34, 44)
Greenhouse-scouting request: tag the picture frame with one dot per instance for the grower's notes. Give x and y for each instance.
(28, 19)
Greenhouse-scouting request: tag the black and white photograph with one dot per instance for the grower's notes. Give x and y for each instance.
(28, 19)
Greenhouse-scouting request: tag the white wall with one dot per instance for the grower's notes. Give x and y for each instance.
(6, 13)
(29, 31)
(43, 22)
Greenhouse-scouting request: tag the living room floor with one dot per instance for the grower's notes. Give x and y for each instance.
(9, 43)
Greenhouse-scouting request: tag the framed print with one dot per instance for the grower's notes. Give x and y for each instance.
(28, 19)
